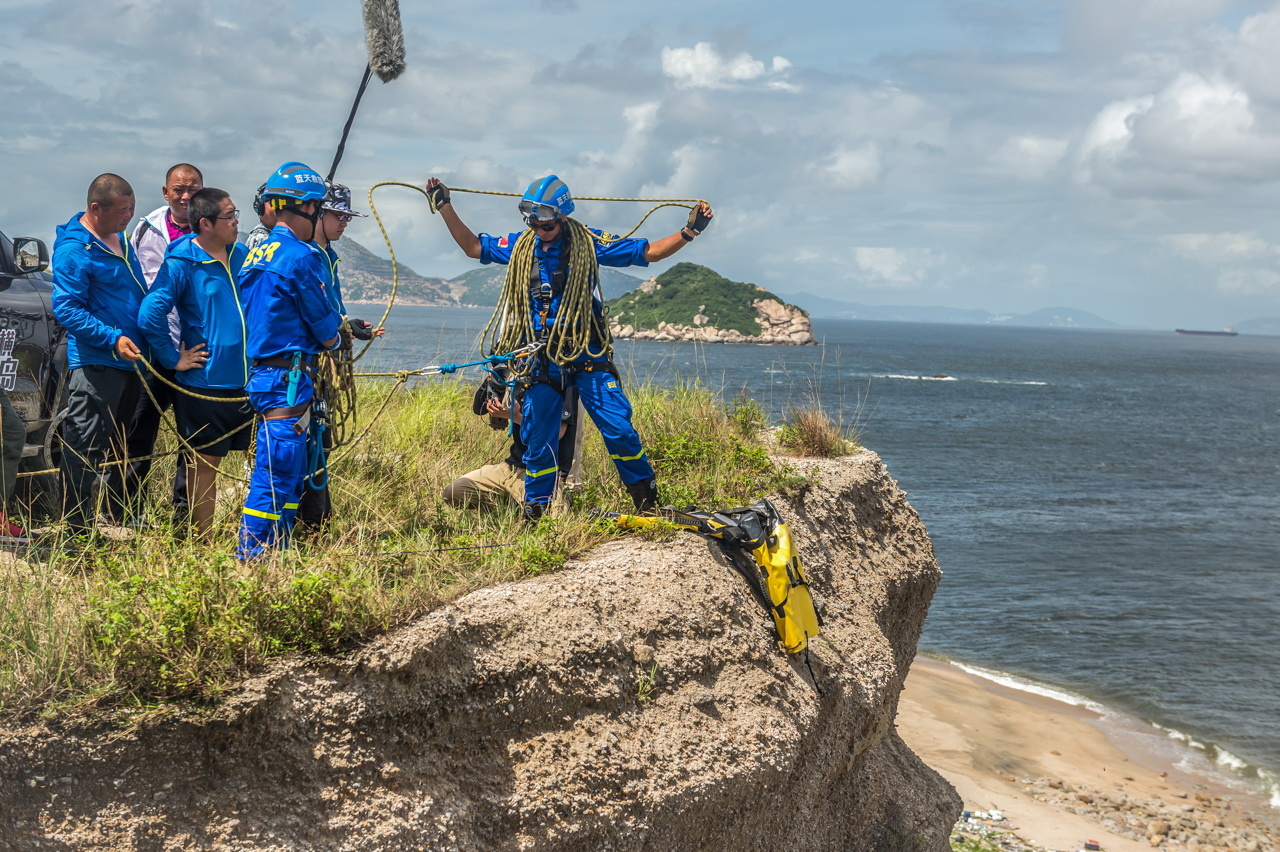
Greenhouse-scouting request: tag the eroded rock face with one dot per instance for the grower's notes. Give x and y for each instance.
(636, 701)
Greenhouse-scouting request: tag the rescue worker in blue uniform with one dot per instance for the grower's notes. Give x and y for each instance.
(315, 510)
(289, 321)
(556, 303)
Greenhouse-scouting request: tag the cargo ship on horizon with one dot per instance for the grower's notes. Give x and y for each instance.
(1226, 332)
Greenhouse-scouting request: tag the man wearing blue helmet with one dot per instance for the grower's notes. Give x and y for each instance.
(289, 321)
(552, 299)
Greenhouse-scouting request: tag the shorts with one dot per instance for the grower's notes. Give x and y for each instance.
(200, 421)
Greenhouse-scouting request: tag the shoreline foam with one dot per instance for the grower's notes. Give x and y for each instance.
(1164, 745)
(1063, 772)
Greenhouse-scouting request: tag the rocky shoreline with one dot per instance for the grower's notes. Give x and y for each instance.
(1192, 822)
(780, 325)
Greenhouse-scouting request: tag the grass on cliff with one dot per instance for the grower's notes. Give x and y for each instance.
(153, 617)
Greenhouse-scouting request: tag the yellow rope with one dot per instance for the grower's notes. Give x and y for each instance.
(576, 323)
(511, 326)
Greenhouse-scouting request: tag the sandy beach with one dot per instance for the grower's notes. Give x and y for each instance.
(1061, 779)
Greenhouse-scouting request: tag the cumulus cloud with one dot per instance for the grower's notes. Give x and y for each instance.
(702, 67)
(1246, 264)
(854, 167)
(894, 268)
(1196, 131)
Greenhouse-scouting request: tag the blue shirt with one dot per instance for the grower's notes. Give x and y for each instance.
(207, 297)
(282, 288)
(628, 252)
(96, 294)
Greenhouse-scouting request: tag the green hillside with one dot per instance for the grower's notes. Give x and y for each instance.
(684, 288)
(482, 286)
(366, 277)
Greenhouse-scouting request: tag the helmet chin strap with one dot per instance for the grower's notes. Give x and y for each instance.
(313, 217)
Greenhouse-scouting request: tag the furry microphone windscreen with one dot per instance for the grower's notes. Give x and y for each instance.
(384, 37)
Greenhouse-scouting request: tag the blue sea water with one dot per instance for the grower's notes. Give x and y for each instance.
(1103, 503)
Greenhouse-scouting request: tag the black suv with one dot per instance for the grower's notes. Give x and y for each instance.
(33, 352)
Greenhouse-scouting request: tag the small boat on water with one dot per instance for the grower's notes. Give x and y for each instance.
(1226, 332)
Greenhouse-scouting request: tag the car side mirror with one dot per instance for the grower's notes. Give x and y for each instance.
(30, 255)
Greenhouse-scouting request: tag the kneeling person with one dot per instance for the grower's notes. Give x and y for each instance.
(198, 278)
(484, 487)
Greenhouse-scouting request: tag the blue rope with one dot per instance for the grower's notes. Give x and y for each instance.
(318, 478)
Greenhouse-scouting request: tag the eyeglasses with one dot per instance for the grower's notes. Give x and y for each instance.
(533, 210)
(235, 214)
(545, 227)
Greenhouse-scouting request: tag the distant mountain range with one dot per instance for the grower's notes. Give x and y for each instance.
(820, 306)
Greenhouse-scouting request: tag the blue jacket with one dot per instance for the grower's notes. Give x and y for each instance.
(282, 288)
(96, 294)
(628, 252)
(207, 296)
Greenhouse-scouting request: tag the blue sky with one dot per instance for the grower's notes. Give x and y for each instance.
(1117, 156)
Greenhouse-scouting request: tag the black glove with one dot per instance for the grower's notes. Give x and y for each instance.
(360, 329)
(438, 195)
(698, 221)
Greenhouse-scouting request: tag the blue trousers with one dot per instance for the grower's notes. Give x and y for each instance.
(602, 397)
(279, 465)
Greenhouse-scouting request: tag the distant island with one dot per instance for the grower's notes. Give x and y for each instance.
(694, 303)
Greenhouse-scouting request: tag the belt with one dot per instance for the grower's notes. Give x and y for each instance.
(284, 413)
(285, 361)
(302, 412)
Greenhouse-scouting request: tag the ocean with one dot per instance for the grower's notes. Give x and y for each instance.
(1103, 504)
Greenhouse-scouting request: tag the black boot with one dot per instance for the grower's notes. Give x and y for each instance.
(644, 494)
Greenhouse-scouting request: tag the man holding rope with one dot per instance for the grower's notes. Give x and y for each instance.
(198, 278)
(289, 321)
(97, 288)
(552, 298)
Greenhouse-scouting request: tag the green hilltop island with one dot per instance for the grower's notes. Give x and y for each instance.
(694, 303)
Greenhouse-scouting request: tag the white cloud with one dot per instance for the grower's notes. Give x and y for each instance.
(702, 67)
(854, 168)
(894, 268)
(1029, 157)
(1249, 282)
(1221, 248)
(1246, 263)
(1109, 25)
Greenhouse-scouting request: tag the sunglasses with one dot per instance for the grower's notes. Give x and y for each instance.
(545, 227)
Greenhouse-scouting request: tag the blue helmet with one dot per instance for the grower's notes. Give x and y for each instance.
(546, 198)
(294, 182)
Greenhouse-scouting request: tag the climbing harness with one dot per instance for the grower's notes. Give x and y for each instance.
(775, 575)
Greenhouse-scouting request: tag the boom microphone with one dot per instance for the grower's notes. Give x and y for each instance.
(384, 38)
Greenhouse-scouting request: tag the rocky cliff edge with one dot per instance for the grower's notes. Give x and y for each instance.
(635, 701)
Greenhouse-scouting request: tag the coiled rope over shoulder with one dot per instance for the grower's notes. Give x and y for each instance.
(577, 327)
